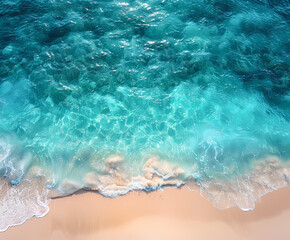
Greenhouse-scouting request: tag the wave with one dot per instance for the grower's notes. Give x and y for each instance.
(22, 202)
(32, 196)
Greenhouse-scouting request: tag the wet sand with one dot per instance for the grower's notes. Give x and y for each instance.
(169, 214)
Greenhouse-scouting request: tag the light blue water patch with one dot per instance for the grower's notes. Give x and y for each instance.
(202, 84)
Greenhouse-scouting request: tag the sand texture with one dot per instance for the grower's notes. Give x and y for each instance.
(170, 214)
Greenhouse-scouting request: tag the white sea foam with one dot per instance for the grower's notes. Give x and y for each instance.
(21, 202)
(31, 196)
(245, 190)
(242, 190)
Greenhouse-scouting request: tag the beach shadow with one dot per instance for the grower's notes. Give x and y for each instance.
(88, 212)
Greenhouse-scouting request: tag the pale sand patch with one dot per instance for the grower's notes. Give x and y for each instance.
(172, 214)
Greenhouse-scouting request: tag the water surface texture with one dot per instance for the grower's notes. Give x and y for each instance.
(116, 96)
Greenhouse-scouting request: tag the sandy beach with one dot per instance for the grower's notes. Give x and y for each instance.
(168, 214)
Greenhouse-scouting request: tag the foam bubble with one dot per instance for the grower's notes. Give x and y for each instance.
(21, 202)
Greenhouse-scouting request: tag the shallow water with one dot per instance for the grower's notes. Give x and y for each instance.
(116, 96)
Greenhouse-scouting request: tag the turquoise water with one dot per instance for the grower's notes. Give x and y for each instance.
(103, 94)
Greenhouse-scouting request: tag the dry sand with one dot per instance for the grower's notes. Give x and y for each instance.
(172, 214)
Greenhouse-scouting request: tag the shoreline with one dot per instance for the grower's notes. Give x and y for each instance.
(172, 213)
(242, 192)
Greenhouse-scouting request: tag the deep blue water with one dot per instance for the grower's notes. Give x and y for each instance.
(199, 85)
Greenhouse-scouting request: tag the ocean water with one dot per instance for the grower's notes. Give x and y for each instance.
(115, 96)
